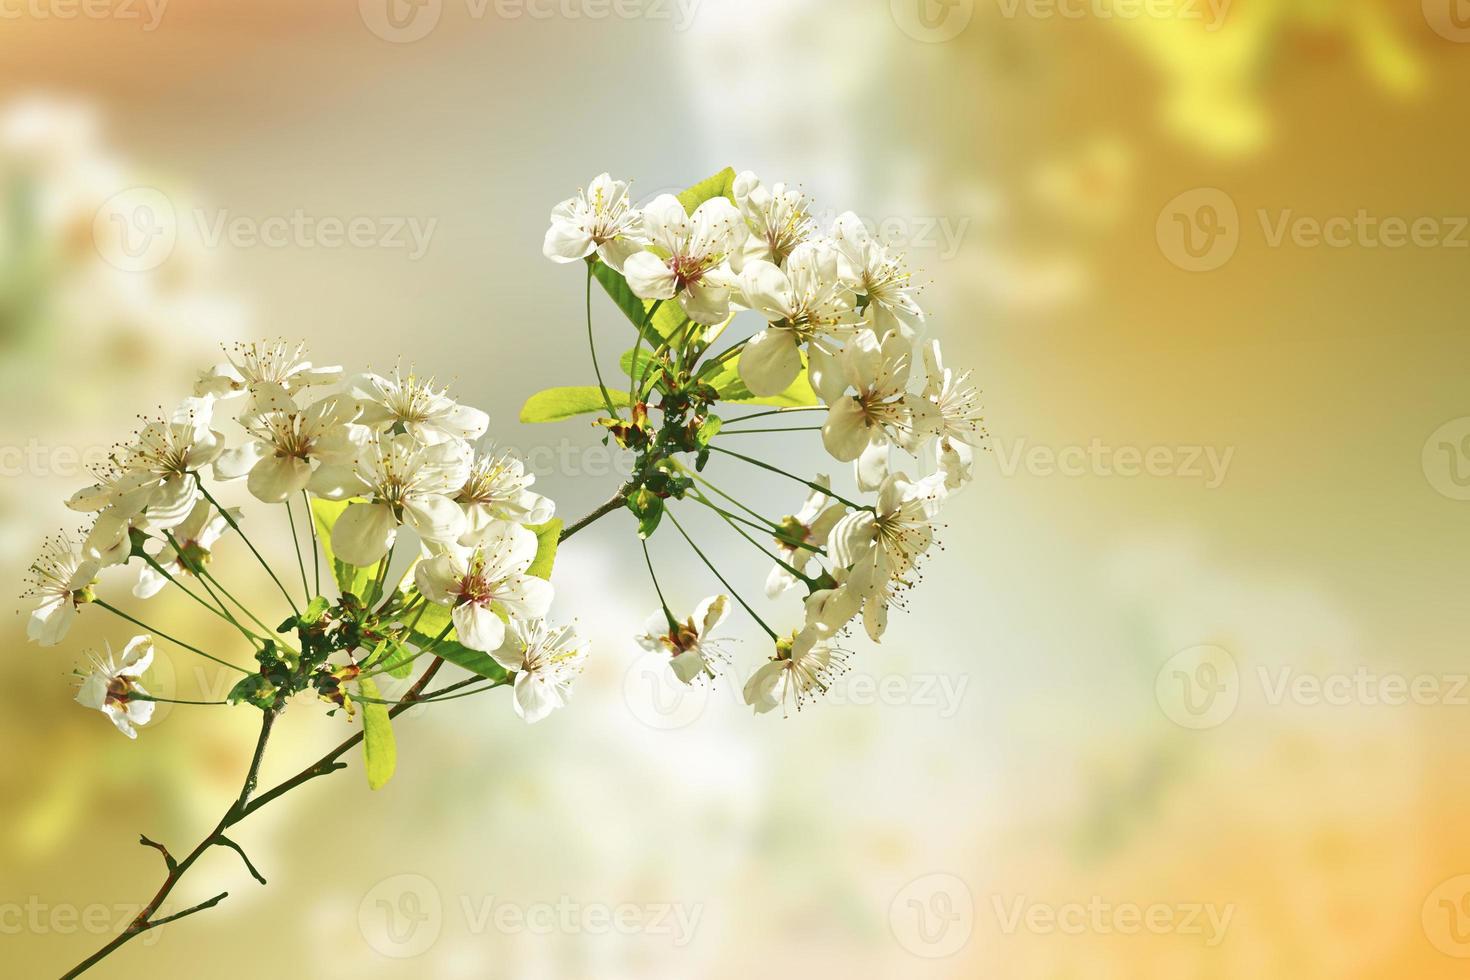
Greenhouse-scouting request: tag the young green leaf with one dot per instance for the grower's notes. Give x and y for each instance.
(669, 318)
(379, 751)
(349, 578)
(548, 537)
(560, 404)
(721, 184)
(732, 389)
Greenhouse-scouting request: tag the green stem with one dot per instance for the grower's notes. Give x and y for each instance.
(779, 411)
(634, 390)
(316, 546)
(142, 625)
(207, 577)
(673, 623)
(730, 520)
(296, 540)
(222, 610)
(775, 469)
(592, 347)
(720, 358)
(747, 432)
(753, 614)
(230, 519)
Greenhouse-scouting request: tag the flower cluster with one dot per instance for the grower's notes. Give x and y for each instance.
(838, 331)
(365, 459)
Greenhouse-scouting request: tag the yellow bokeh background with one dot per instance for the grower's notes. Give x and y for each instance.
(1110, 205)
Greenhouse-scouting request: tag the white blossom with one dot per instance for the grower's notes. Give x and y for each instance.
(599, 219)
(805, 303)
(804, 667)
(61, 579)
(404, 483)
(879, 276)
(417, 406)
(113, 689)
(692, 648)
(691, 263)
(545, 663)
(474, 580)
(196, 536)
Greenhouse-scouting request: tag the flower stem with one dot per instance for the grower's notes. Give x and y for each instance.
(592, 347)
(634, 391)
(142, 625)
(753, 614)
(230, 519)
(296, 540)
(730, 520)
(673, 623)
(316, 547)
(774, 469)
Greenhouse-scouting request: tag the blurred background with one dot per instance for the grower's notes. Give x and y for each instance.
(1183, 696)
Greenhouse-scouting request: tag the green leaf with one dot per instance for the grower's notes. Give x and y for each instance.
(731, 388)
(548, 537)
(379, 751)
(434, 621)
(669, 318)
(393, 657)
(649, 507)
(721, 184)
(559, 404)
(256, 690)
(349, 578)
